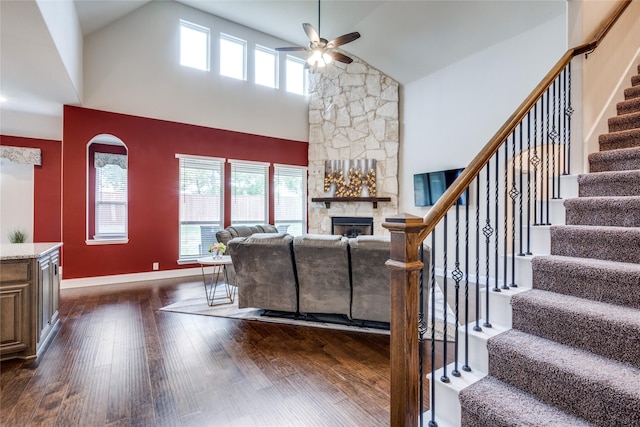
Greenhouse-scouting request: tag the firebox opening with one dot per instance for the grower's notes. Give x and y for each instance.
(351, 226)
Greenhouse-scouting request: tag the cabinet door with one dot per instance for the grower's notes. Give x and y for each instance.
(14, 318)
(44, 296)
(55, 284)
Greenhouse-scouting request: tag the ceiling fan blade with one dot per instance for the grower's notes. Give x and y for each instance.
(311, 33)
(290, 49)
(340, 57)
(347, 38)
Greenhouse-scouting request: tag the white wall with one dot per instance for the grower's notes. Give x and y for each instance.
(62, 21)
(132, 67)
(16, 199)
(451, 114)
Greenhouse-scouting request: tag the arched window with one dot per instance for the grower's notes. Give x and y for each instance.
(107, 190)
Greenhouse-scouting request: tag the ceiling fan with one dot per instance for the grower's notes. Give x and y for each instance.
(320, 49)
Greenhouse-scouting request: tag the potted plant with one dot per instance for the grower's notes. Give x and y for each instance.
(18, 236)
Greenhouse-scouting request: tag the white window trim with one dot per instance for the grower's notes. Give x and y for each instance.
(276, 78)
(205, 30)
(238, 40)
(222, 160)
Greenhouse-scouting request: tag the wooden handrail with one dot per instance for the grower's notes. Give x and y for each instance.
(453, 193)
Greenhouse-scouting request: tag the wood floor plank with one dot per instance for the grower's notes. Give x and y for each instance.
(117, 360)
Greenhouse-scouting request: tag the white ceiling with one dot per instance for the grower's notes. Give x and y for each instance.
(406, 40)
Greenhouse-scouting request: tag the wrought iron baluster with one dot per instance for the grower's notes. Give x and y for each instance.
(496, 241)
(457, 275)
(514, 193)
(553, 135)
(432, 405)
(477, 325)
(529, 158)
(487, 231)
(444, 378)
(506, 214)
(520, 173)
(535, 161)
(547, 168)
(568, 113)
(465, 366)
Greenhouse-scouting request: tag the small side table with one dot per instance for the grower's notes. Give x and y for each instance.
(219, 266)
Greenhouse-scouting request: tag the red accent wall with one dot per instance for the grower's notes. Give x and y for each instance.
(47, 186)
(153, 176)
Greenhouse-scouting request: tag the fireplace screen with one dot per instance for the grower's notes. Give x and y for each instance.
(351, 226)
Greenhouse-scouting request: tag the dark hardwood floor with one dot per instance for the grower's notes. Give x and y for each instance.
(117, 360)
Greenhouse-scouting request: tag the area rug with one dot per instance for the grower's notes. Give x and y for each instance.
(198, 305)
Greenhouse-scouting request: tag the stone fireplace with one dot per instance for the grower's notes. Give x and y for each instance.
(353, 114)
(351, 226)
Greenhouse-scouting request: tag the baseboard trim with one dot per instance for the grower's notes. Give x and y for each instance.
(125, 278)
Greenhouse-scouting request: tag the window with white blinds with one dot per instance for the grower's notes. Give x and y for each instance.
(249, 193)
(290, 199)
(201, 203)
(111, 197)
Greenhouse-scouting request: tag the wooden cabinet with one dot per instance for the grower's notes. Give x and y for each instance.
(29, 294)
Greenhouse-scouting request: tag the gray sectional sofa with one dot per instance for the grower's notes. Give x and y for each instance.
(316, 274)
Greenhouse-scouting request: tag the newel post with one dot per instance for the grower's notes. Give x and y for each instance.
(405, 366)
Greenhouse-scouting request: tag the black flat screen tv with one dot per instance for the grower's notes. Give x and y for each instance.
(430, 186)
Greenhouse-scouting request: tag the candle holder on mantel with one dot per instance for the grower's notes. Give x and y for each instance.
(350, 181)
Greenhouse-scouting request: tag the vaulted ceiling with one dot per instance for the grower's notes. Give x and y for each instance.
(406, 40)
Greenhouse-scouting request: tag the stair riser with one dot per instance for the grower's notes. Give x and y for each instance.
(629, 106)
(615, 141)
(631, 163)
(626, 122)
(623, 187)
(621, 247)
(605, 216)
(612, 286)
(635, 80)
(593, 334)
(632, 92)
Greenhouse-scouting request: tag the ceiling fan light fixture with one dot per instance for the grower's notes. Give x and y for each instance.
(319, 59)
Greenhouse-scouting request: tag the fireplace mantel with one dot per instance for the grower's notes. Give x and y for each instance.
(327, 200)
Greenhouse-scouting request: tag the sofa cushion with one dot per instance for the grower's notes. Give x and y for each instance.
(322, 263)
(265, 273)
(370, 278)
(233, 231)
(267, 228)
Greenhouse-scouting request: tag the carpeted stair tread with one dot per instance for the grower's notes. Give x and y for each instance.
(621, 211)
(616, 140)
(615, 160)
(628, 106)
(632, 92)
(635, 80)
(620, 244)
(614, 183)
(599, 327)
(599, 390)
(624, 122)
(491, 402)
(600, 280)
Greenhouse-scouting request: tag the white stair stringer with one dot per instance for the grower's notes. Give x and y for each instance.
(478, 355)
(523, 272)
(447, 404)
(499, 306)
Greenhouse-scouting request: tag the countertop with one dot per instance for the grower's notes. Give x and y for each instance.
(26, 250)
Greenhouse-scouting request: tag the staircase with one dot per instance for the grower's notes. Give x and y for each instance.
(573, 355)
